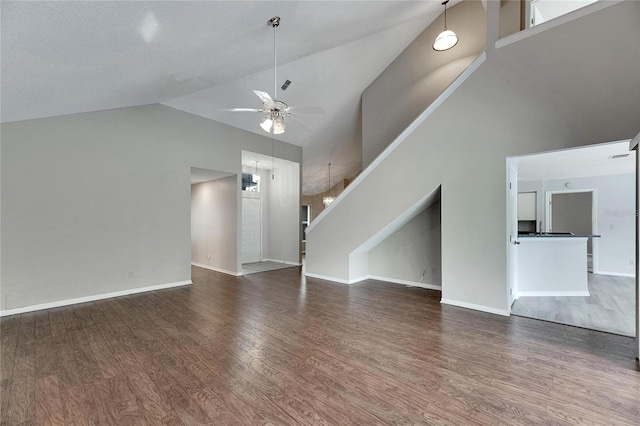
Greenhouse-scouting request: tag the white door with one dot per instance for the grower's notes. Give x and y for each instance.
(251, 230)
(512, 243)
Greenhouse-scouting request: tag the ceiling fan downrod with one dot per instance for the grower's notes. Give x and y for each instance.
(275, 23)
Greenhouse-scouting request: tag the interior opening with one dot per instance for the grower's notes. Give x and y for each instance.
(213, 220)
(270, 213)
(572, 249)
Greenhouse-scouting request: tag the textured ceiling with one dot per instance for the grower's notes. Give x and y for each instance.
(70, 57)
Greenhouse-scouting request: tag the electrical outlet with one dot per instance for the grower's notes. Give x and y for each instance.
(130, 274)
(433, 271)
(208, 256)
(631, 262)
(611, 227)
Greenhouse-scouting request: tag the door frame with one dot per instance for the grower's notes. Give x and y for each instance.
(511, 232)
(548, 212)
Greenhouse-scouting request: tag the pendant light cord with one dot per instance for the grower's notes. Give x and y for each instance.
(445, 13)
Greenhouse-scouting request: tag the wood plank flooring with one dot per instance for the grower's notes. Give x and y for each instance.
(610, 307)
(274, 348)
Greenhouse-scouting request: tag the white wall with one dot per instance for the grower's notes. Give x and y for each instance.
(213, 224)
(87, 198)
(412, 249)
(284, 214)
(417, 77)
(525, 98)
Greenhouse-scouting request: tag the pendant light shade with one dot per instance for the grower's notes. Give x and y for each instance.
(447, 38)
(278, 126)
(266, 124)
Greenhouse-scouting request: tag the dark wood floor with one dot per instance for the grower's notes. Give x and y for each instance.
(270, 348)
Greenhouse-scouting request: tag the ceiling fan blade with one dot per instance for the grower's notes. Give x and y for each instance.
(265, 98)
(304, 126)
(241, 109)
(306, 110)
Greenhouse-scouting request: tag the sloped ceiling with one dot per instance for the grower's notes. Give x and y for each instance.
(71, 57)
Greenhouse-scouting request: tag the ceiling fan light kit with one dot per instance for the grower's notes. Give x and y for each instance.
(447, 38)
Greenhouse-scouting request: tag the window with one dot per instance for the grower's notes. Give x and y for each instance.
(250, 182)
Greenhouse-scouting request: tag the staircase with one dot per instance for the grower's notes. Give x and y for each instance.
(562, 84)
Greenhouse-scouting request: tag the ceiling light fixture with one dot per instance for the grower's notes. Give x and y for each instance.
(447, 38)
(276, 111)
(327, 200)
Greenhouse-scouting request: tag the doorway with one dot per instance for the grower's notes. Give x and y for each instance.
(586, 191)
(575, 212)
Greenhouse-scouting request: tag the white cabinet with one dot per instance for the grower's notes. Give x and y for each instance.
(527, 206)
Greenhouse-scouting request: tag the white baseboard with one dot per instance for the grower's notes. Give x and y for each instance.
(405, 282)
(552, 293)
(213, 268)
(475, 307)
(374, 277)
(326, 278)
(615, 274)
(93, 298)
(286, 262)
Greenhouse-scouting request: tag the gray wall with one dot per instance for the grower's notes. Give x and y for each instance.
(284, 214)
(412, 249)
(87, 198)
(572, 212)
(214, 222)
(417, 77)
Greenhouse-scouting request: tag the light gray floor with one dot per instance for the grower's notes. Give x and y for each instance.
(254, 268)
(611, 306)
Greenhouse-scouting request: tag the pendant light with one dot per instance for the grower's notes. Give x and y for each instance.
(327, 200)
(447, 38)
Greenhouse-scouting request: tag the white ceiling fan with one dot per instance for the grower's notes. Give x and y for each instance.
(276, 111)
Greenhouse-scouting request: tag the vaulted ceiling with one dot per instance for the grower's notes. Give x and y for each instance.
(72, 57)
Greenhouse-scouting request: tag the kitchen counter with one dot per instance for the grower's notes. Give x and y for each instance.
(552, 265)
(556, 235)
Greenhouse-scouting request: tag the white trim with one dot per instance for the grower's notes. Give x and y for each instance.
(405, 282)
(556, 22)
(552, 293)
(213, 268)
(616, 274)
(402, 136)
(326, 278)
(282, 261)
(475, 307)
(93, 298)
